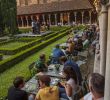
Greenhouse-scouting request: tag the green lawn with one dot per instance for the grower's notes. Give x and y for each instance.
(21, 69)
(12, 45)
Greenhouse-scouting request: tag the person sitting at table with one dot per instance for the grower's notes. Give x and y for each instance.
(41, 64)
(15, 92)
(79, 45)
(70, 86)
(71, 46)
(75, 66)
(86, 43)
(56, 54)
(96, 86)
(46, 91)
(70, 37)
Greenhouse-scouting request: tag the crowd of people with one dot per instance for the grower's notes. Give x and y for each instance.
(37, 26)
(71, 72)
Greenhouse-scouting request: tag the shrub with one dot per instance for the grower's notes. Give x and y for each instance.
(26, 46)
(4, 65)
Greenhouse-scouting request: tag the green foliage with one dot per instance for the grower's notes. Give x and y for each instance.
(13, 47)
(4, 65)
(6, 78)
(8, 13)
(80, 27)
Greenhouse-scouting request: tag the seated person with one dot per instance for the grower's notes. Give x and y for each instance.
(96, 86)
(71, 46)
(79, 45)
(71, 63)
(56, 54)
(85, 43)
(70, 86)
(46, 91)
(41, 64)
(15, 92)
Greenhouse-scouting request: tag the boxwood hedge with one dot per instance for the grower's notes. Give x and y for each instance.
(4, 65)
(28, 45)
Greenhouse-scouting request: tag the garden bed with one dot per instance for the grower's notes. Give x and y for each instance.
(4, 65)
(16, 49)
(22, 67)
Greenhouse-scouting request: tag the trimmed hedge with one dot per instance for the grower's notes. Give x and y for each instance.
(26, 46)
(1, 57)
(4, 65)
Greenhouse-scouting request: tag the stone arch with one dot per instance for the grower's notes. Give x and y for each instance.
(79, 17)
(94, 17)
(72, 17)
(24, 21)
(86, 17)
(29, 20)
(19, 22)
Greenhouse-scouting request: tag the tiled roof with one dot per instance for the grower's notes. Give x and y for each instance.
(54, 7)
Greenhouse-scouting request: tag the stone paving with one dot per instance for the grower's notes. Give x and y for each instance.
(30, 34)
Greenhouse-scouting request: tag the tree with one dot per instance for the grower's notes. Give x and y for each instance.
(8, 12)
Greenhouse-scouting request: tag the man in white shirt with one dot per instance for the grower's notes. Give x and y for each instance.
(33, 26)
(96, 86)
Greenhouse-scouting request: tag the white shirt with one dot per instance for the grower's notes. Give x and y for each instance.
(89, 97)
(71, 82)
(33, 24)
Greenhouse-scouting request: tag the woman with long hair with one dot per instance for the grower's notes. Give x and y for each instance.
(70, 85)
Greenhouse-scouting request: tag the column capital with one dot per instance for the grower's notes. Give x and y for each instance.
(26, 17)
(75, 14)
(82, 13)
(61, 14)
(31, 17)
(104, 9)
(68, 14)
(21, 17)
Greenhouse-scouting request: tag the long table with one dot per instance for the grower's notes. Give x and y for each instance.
(32, 86)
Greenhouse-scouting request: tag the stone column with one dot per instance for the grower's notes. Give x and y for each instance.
(107, 76)
(103, 40)
(49, 16)
(37, 17)
(61, 18)
(43, 16)
(31, 18)
(75, 14)
(22, 22)
(68, 18)
(97, 59)
(55, 19)
(82, 17)
(90, 17)
(27, 22)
